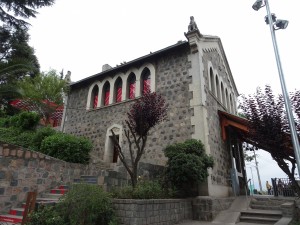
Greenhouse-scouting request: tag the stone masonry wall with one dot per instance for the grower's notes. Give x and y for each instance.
(152, 212)
(219, 151)
(172, 81)
(207, 208)
(22, 170)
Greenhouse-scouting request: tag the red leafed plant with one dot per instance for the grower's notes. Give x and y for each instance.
(144, 114)
(269, 127)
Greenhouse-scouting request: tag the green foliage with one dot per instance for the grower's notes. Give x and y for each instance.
(21, 121)
(24, 139)
(44, 92)
(13, 12)
(25, 120)
(14, 136)
(187, 164)
(87, 204)
(40, 135)
(47, 215)
(143, 190)
(191, 146)
(67, 147)
(8, 135)
(4, 121)
(45, 86)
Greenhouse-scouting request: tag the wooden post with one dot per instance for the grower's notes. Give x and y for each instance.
(30, 205)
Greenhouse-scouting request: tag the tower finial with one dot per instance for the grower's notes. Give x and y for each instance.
(192, 26)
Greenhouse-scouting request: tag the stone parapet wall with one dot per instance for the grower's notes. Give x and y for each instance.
(152, 212)
(207, 208)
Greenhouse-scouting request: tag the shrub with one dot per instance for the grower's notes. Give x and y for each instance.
(187, 166)
(87, 204)
(24, 139)
(47, 215)
(8, 134)
(67, 147)
(25, 120)
(4, 121)
(143, 190)
(40, 135)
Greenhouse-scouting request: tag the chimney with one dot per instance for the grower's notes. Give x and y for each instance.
(106, 67)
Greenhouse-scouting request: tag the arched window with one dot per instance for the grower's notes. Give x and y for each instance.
(105, 93)
(111, 153)
(118, 90)
(212, 81)
(223, 94)
(231, 104)
(227, 100)
(131, 86)
(218, 87)
(145, 81)
(94, 98)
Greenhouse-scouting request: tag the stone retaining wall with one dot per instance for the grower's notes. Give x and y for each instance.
(22, 170)
(206, 208)
(153, 212)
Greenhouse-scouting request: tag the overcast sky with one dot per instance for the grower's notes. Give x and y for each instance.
(82, 36)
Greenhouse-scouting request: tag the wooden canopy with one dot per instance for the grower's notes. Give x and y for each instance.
(227, 119)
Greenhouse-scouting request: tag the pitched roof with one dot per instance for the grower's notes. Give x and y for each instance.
(127, 65)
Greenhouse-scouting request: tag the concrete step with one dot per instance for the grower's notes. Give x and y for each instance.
(65, 187)
(15, 215)
(87, 179)
(11, 218)
(260, 216)
(52, 196)
(16, 211)
(265, 207)
(256, 220)
(58, 191)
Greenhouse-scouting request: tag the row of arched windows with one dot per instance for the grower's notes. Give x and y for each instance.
(123, 87)
(220, 92)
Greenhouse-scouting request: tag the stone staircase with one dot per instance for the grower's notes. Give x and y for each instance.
(15, 215)
(260, 216)
(268, 210)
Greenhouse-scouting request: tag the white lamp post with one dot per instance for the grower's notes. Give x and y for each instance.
(275, 25)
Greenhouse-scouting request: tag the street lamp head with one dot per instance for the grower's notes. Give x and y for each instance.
(257, 5)
(281, 24)
(273, 16)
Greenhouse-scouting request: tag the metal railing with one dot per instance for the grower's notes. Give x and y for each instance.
(283, 187)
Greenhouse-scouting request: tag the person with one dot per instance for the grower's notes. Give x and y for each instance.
(280, 186)
(269, 187)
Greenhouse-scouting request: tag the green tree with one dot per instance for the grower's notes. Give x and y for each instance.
(44, 93)
(269, 127)
(13, 12)
(144, 114)
(17, 60)
(187, 165)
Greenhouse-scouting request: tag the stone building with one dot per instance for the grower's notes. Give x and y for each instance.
(195, 79)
